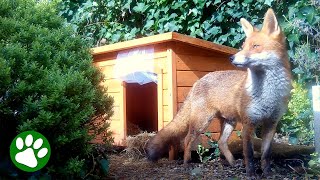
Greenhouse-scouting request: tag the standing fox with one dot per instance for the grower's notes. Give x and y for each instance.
(257, 96)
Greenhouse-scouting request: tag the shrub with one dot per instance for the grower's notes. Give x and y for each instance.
(297, 123)
(48, 84)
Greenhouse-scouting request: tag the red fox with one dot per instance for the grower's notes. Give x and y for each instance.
(257, 96)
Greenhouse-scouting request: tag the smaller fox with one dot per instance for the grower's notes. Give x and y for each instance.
(257, 96)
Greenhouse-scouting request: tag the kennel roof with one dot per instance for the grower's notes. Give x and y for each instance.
(162, 38)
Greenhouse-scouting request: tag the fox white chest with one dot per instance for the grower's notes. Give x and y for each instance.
(268, 91)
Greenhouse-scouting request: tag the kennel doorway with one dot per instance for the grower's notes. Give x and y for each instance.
(141, 103)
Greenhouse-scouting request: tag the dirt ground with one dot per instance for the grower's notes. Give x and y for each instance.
(122, 167)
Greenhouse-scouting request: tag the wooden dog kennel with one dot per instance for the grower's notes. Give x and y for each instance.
(179, 61)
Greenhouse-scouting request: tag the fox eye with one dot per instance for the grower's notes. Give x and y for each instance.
(255, 46)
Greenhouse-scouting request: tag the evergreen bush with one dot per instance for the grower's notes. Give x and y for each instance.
(48, 84)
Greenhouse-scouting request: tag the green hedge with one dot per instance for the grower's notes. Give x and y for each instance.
(48, 84)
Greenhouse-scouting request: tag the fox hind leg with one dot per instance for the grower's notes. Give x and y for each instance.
(223, 141)
(198, 123)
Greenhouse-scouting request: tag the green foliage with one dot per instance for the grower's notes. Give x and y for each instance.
(314, 164)
(204, 153)
(115, 21)
(297, 123)
(301, 23)
(48, 84)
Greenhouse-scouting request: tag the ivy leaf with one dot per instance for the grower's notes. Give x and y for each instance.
(293, 37)
(268, 2)
(216, 2)
(170, 26)
(173, 15)
(214, 30)
(149, 24)
(231, 3)
(140, 8)
(308, 12)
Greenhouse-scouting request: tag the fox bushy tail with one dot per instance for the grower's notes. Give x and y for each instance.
(172, 134)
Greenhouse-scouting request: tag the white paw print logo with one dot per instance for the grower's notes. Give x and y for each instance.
(30, 151)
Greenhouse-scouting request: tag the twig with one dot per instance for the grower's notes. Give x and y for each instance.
(300, 161)
(92, 169)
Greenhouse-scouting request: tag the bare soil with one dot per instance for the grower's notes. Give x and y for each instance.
(122, 167)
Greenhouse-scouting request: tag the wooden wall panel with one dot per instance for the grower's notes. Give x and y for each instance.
(166, 114)
(165, 81)
(188, 78)
(183, 93)
(202, 63)
(113, 85)
(117, 98)
(105, 63)
(117, 129)
(116, 113)
(186, 49)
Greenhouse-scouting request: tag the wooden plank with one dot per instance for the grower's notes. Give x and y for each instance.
(166, 114)
(172, 76)
(113, 85)
(105, 63)
(165, 123)
(166, 97)
(116, 113)
(123, 110)
(188, 78)
(165, 81)
(203, 63)
(100, 58)
(160, 99)
(107, 71)
(183, 93)
(161, 63)
(117, 132)
(117, 97)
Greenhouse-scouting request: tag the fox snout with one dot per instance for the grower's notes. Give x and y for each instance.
(239, 60)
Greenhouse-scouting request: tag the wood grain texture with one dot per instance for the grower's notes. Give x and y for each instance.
(160, 99)
(188, 78)
(202, 63)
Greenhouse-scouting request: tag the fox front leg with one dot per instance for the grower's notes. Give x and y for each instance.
(268, 131)
(247, 133)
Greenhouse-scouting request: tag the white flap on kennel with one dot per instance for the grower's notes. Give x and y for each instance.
(136, 66)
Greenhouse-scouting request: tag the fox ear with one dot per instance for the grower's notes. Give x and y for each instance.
(246, 26)
(270, 23)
